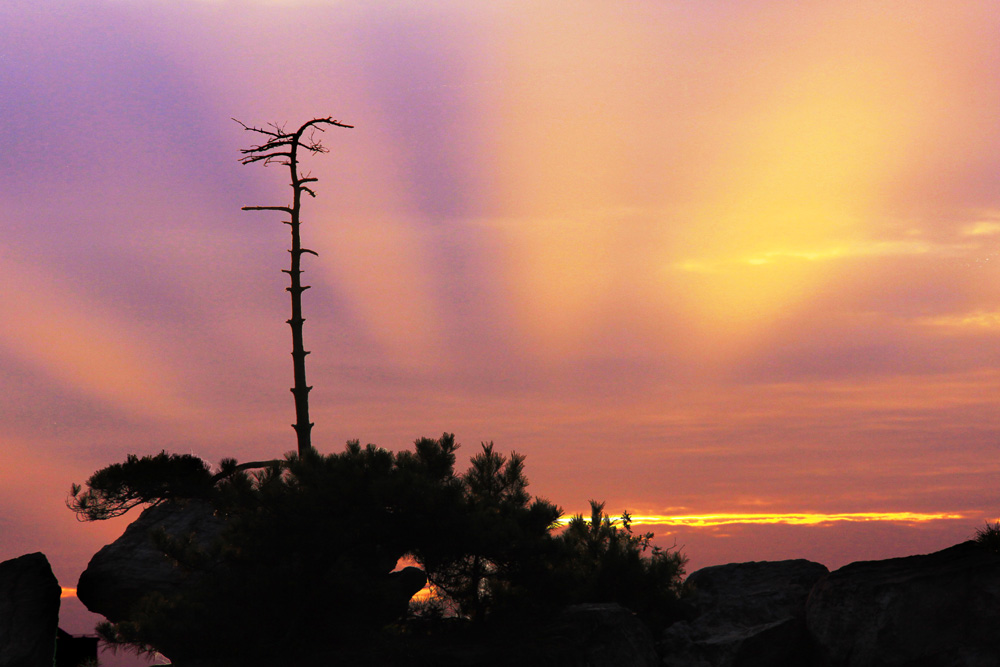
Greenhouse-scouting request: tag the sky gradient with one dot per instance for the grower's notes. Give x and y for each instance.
(691, 258)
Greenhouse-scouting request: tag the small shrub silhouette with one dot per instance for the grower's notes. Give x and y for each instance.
(989, 536)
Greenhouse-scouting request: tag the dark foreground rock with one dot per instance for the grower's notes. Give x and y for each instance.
(935, 610)
(601, 635)
(745, 614)
(29, 612)
(75, 651)
(940, 609)
(208, 598)
(122, 572)
(585, 635)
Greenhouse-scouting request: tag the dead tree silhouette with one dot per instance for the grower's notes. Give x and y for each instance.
(281, 147)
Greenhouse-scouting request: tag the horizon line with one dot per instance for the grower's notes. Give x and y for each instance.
(789, 518)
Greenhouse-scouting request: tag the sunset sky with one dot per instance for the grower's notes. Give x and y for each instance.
(691, 258)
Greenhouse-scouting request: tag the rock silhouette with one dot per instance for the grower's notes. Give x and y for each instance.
(29, 611)
(937, 609)
(745, 614)
(133, 565)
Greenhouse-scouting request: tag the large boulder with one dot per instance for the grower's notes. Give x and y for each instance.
(29, 612)
(938, 609)
(133, 565)
(744, 614)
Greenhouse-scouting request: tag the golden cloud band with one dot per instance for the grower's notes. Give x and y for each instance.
(796, 519)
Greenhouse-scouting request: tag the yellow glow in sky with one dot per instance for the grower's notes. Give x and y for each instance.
(793, 519)
(772, 170)
(800, 181)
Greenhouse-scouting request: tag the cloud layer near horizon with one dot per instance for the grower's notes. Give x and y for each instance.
(726, 258)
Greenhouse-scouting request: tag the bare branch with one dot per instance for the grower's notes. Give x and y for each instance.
(281, 463)
(316, 148)
(250, 128)
(266, 157)
(263, 148)
(286, 209)
(328, 121)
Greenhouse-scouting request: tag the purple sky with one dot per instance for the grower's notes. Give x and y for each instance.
(689, 258)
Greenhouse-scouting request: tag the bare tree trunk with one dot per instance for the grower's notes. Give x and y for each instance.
(283, 148)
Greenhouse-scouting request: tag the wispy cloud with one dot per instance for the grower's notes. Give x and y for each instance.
(843, 251)
(978, 320)
(987, 225)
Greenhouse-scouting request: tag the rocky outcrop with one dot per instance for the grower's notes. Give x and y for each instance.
(134, 566)
(29, 612)
(937, 609)
(122, 572)
(601, 635)
(940, 609)
(744, 614)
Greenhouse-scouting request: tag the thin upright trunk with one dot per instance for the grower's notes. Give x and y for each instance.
(283, 148)
(302, 425)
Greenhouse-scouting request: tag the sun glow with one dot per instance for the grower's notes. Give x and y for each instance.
(765, 197)
(798, 184)
(428, 592)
